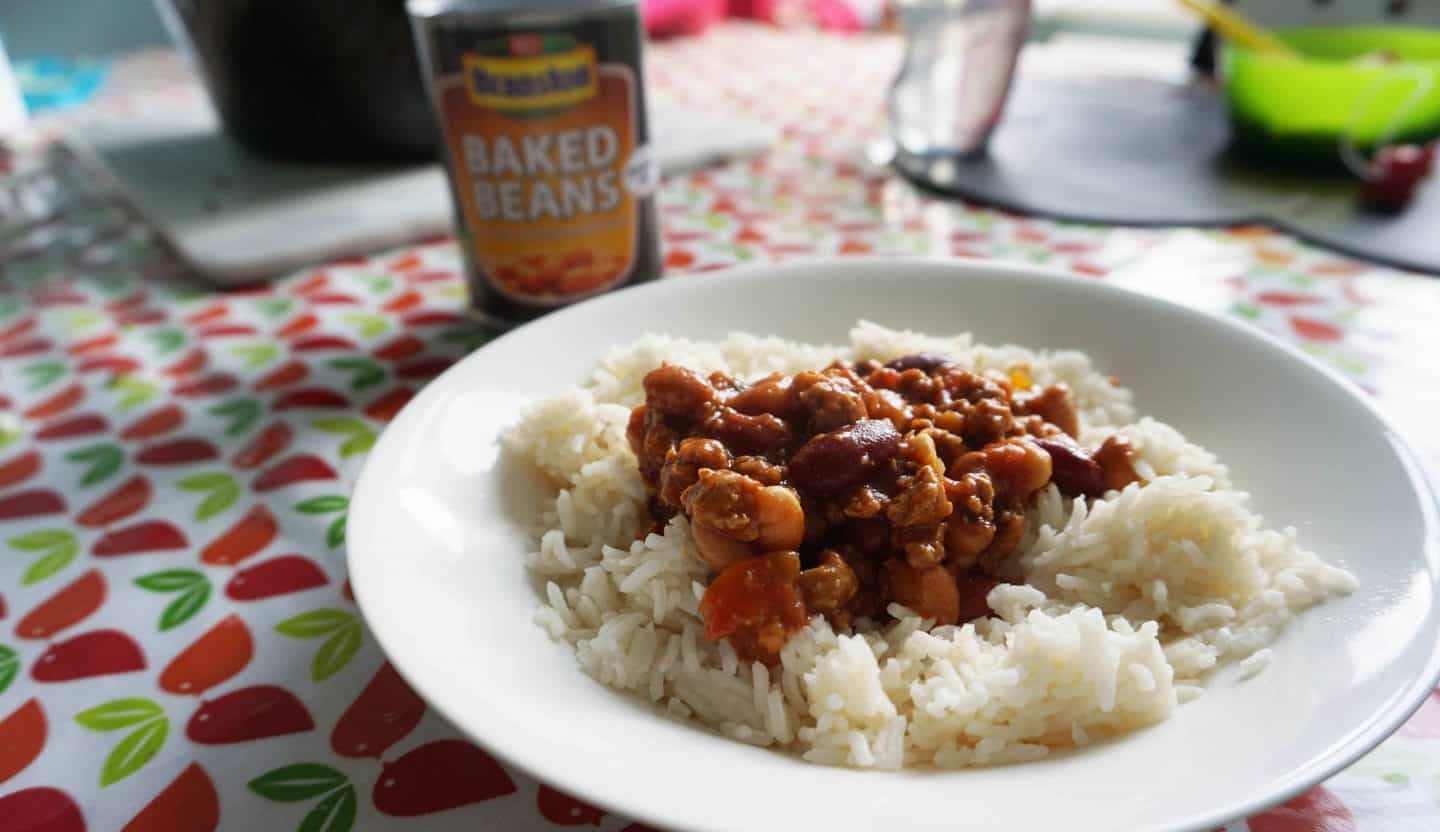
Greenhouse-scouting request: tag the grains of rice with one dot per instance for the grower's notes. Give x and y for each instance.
(1128, 601)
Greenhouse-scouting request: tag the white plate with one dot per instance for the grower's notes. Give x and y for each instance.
(435, 559)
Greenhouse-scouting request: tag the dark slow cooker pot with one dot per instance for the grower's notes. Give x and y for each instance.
(310, 79)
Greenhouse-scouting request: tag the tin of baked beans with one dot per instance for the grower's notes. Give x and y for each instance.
(541, 105)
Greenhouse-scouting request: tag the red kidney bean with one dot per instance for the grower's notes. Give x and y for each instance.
(923, 361)
(1072, 470)
(832, 462)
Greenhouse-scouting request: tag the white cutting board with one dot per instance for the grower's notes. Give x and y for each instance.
(236, 219)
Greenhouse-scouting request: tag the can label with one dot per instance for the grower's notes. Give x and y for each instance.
(550, 167)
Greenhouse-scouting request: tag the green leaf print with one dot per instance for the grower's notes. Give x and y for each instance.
(301, 781)
(194, 589)
(119, 713)
(255, 356)
(315, 623)
(323, 505)
(171, 580)
(59, 546)
(135, 751)
(341, 426)
(224, 490)
(9, 667)
(336, 652)
(42, 374)
(367, 324)
(9, 435)
(241, 413)
(335, 535)
(274, 307)
(182, 609)
(101, 461)
(363, 372)
(166, 340)
(358, 444)
(134, 391)
(336, 813)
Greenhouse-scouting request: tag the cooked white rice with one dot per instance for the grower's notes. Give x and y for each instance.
(1127, 603)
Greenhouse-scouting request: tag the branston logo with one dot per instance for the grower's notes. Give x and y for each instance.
(535, 82)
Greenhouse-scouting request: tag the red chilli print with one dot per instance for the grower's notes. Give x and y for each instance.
(188, 804)
(208, 314)
(248, 536)
(143, 537)
(332, 299)
(66, 608)
(41, 809)
(131, 497)
(430, 277)
(21, 468)
(299, 468)
(563, 810)
(424, 368)
(384, 408)
(399, 348)
(1314, 330)
(155, 423)
(56, 404)
(141, 316)
(408, 261)
(248, 714)
(181, 451)
(384, 712)
(57, 296)
(17, 329)
(96, 653)
(314, 343)
(304, 323)
(30, 504)
(207, 385)
(82, 425)
(314, 283)
(134, 299)
(116, 364)
(277, 576)
(266, 444)
(309, 397)
(226, 331)
(286, 374)
(1287, 299)
(22, 737)
(214, 658)
(405, 300)
(31, 347)
(432, 317)
(1314, 811)
(437, 776)
(192, 363)
(95, 344)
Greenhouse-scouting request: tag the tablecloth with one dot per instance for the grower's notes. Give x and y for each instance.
(179, 647)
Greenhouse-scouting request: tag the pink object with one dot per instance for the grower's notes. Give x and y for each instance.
(669, 18)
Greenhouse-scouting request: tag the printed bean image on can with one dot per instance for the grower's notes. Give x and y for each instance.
(545, 140)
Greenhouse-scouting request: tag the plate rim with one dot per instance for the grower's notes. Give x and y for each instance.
(1403, 704)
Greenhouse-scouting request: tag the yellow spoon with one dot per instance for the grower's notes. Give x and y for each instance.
(1239, 28)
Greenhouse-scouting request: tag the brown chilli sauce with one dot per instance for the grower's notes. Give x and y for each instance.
(839, 491)
(541, 107)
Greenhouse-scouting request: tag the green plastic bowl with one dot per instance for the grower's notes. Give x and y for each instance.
(1295, 111)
